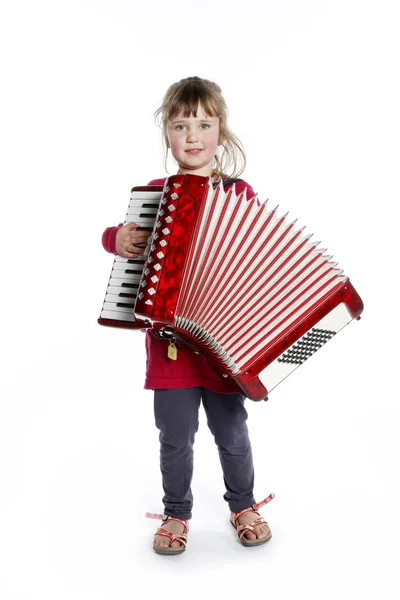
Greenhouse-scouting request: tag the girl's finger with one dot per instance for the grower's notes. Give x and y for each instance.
(136, 249)
(138, 235)
(130, 226)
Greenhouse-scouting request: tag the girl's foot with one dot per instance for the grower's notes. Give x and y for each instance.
(251, 527)
(262, 530)
(173, 527)
(171, 537)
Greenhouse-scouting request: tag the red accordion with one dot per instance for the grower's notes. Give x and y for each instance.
(236, 282)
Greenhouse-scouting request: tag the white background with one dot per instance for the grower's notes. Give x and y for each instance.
(312, 90)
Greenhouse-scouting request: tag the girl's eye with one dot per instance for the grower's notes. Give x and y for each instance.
(179, 127)
(205, 126)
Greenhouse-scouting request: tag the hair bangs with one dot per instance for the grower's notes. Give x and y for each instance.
(187, 103)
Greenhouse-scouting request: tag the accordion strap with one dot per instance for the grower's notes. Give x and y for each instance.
(227, 182)
(169, 335)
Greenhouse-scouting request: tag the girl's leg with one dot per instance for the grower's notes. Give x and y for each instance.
(226, 418)
(177, 417)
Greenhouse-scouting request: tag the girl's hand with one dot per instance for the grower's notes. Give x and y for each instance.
(127, 240)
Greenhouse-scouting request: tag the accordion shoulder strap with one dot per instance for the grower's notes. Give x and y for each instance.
(229, 181)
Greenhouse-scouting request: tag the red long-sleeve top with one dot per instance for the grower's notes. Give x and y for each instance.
(189, 369)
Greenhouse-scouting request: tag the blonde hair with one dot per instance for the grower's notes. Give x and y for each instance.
(184, 96)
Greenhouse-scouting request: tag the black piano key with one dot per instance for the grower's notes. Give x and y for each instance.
(132, 271)
(150, 205)
(130, 285)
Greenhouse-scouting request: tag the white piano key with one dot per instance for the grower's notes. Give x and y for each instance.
(114, 298)
(146, 221)
(118, 278)
(132, 267)
(119, 266)
(118, 281)
(140, 222)
(151, 204)
(119, 258)
(149, 210)
(117, 316)
(146, 196)
(146, 211)
(113, 306)
(116, 290)
(140, 200)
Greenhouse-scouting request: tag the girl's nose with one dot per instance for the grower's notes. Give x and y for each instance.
(191, 136)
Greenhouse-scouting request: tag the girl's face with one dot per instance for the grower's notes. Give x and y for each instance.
(193, 142)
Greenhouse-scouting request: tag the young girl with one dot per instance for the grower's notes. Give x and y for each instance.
(193, 118)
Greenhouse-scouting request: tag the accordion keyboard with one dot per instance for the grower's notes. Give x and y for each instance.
(120, 298)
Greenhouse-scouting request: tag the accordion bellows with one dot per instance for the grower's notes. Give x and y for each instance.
(239, 282)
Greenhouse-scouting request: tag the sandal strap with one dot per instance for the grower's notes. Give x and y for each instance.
(150, 515)
(263, 502)
(243, 529)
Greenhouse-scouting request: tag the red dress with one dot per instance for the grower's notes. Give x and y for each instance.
(190, 369)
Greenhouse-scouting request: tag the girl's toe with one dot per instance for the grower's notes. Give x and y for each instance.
(162, 541)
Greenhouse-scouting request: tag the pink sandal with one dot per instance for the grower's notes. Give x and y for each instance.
(179, 537)
(243, 529)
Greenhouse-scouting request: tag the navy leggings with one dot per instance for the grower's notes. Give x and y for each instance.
(177, 418)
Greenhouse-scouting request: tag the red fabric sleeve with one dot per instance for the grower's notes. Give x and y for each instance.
(108, 238)
(157, 181)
